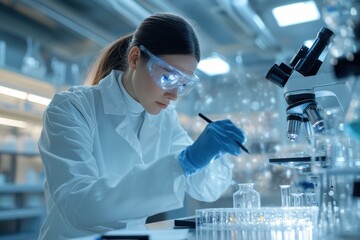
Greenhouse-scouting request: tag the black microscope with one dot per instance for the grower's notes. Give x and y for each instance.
(304, 81)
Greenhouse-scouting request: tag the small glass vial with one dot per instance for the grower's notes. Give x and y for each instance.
(246, 196)
(285, 195)
(310, 199)
(298, 199)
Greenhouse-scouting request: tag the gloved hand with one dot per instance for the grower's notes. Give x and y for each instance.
(218, 138)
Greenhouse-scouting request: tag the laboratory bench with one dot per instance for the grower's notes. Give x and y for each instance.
(170, 230)
(162, 230)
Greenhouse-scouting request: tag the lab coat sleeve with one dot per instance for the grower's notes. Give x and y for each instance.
(210, 183)
(91, 202)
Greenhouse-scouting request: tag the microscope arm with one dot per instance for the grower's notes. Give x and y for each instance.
(322, 85)
(340, 90)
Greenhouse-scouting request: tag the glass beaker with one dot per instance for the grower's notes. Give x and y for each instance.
(246, 196)
(352, 117)
(338, 216)
(332, 148)
(33, 62)
(285, 195)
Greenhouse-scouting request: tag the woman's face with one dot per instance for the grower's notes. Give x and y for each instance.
(147, 92)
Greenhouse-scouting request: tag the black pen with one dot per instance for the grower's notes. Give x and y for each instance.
(240, 144)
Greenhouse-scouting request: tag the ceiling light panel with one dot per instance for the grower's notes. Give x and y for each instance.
(296, 13)
(213, 66)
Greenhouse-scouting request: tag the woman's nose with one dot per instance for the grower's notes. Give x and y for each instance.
(172, 94)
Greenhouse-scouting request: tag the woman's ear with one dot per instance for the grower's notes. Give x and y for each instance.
(134, 57)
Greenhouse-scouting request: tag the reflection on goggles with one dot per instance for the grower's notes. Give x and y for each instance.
(168, 77)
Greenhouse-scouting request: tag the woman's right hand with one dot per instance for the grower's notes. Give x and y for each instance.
(218, 138)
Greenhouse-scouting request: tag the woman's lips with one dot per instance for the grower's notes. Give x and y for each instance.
(162, 105)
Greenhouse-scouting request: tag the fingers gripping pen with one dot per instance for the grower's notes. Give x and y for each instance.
(240, 144)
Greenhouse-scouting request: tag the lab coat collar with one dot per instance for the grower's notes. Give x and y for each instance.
(113, 101)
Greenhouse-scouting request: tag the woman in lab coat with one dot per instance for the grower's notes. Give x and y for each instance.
(114, 152)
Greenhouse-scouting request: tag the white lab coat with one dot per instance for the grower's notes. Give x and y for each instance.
(100, 176)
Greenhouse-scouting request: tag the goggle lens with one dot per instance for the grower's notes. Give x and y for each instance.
(168, 77)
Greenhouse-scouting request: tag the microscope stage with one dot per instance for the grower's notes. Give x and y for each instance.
(297, 162)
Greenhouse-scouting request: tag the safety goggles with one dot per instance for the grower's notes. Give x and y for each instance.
(167, 77)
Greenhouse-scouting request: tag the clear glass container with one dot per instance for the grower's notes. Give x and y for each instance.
(259, 223)
(352, 118)
(246, 196)
(333, 148)
(310, 199)
(298, 199)
(285, 195)
(338, 215)
(33, 62)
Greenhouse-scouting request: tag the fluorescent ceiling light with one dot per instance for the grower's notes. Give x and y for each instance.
(12, 122)
(213, 66)
(37, 99)
(296, 13)
(13, 93)
(24, 96)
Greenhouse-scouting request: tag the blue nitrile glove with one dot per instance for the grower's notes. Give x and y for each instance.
(217, 139)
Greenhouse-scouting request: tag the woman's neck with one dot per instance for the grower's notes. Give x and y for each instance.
(127, 82)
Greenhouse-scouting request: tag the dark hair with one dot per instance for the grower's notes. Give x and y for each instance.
(162, 33)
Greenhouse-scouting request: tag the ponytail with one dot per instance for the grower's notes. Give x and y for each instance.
(113, 57)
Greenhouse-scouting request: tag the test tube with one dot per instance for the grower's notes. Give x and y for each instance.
(297, 199)
(285, 195)
(310, 199)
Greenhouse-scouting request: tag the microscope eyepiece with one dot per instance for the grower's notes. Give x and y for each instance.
(279, 74)
(310, 64)
(305, 60)
(301, 53)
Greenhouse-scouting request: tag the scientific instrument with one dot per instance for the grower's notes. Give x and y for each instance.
(303, 87)
(309, 87)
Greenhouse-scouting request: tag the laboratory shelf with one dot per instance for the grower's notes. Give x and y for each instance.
(13, 113)
(13, 78)
(22, 109)
(20, 213)
(21, 188)
(22, 206)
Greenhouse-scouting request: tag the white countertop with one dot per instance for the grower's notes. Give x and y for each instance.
(163, 230)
